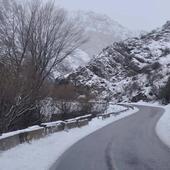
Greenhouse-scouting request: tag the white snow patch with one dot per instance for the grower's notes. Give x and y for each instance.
(112, 108)
(165, 60)
(163, 126)
(152, 104)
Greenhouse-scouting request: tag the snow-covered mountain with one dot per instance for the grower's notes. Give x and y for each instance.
(101, 31)
(130, 70)
(72, 62)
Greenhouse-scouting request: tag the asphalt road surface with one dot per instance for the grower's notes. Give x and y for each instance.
(128, 144)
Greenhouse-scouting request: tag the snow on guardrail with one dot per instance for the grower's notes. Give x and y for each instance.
(46, 150)
(11, 139)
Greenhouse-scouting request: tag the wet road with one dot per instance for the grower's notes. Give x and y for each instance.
(128, 144)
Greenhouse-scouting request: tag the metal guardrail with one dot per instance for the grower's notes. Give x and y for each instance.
(49, 128)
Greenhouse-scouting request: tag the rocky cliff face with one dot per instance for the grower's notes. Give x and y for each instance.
(130, 70)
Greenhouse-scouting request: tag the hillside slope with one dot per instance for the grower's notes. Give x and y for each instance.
(130, 70)
(101, 31)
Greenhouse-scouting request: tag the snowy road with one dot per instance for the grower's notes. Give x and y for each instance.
(128, 144)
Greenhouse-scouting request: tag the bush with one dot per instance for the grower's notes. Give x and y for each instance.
(164, 93)
(72, 101)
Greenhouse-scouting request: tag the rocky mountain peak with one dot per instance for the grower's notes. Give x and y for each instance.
(101, 30)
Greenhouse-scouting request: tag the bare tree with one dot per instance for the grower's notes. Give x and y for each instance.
(34, 38)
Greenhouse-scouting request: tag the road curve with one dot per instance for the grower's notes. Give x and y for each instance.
(128, 144)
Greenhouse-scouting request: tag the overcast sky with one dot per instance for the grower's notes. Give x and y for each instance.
(134, 14)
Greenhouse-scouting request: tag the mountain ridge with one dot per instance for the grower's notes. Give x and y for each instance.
(101, 31)
(129, 70)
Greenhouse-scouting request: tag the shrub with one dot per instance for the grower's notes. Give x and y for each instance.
(72, 100)
(164, 93)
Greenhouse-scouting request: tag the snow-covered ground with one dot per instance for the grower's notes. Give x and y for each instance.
(41, 154)
(112, 108)
(163, 125)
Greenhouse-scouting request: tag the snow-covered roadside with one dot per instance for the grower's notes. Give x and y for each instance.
(112, 108)
(163, 125)
(41, 154)
(155, 104)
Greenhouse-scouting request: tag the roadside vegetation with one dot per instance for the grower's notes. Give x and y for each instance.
(35, 37)
(164, 93)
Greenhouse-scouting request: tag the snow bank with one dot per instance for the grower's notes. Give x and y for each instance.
(112, 108)
(163, 126)
(142, 103)
(41, 154)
